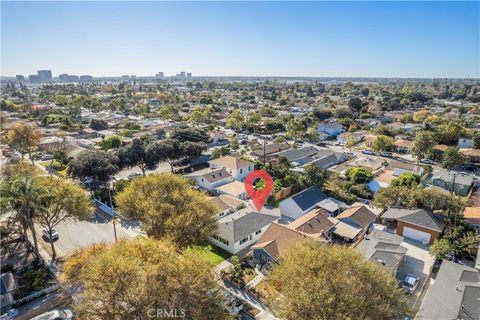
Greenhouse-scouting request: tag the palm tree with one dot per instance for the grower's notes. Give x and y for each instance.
(21, 196)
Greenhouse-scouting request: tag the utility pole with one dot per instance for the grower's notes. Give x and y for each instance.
(114, 214)
(264, 151)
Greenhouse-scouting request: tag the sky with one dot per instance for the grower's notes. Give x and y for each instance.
(312, 39)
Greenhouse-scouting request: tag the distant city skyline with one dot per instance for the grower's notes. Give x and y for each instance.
(310, 39)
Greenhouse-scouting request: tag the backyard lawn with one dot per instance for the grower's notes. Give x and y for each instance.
(214, 255)
(58, 167)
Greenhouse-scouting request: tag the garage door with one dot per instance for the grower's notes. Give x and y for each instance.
(416, 235)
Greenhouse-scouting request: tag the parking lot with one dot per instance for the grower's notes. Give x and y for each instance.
(80, 234)
(418, 262)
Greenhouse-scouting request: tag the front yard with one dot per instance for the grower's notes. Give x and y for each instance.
(213, 254)
(57, 166)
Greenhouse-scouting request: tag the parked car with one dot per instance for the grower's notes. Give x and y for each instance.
(65, 314)
(471, 168)
(368, 151)
(243, 141)
(46, 157)
(426, 161)
(47, 236)
(299, 141)
(386, 154)
(410, 283)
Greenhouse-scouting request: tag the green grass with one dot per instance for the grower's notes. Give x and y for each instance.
(61, 169)
(213, 254)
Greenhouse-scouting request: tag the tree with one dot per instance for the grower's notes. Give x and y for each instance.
(452, 158)
(62, 200)
(312, 134)
(440, 248)
(191, 149)
(198, 116)
(295, 128)
(359, 175)
(423, 144)
(254, 119)
(236, 120)
(98, 124)
(112, 142)
(21, 195)
(98, 165)
(382, 144)
(185, 133)
(355, 104)
(24, 138)
(142, 279)
(421, 115)
(168, 207)
(216, 153)
(350, 143)
(315, 175)
(351, 287)
(138, 153)
(234, 144)
(167, 150)
(406, 179)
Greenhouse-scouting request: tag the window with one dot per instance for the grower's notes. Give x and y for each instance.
(258, 232)
(244, 240)
(250, 237)
(220, 239)
(241, 171)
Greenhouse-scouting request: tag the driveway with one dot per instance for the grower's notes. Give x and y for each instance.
(418, 262)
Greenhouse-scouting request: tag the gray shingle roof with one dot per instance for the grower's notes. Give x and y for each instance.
(447, 176)
(450, 297)
(418, 217)
(309, 197)
(246, 222)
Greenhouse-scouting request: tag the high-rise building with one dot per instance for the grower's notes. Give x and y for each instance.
(189, 75)
(72, 78)
(45, 75)
(159, 75)
(182, 74)
(86, 78)
(63, 77)
(34, 78)
(19, 77)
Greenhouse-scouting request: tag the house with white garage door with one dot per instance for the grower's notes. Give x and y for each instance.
(416, 224)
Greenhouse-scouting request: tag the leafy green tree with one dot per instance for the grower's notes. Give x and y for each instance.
(359, 175)
(62, 200)
(98, 124)
(216, 153)
(185, 133)
(140, 278)
(234, 144)
(315, 175)
(406, 179)
(423, 144)
(382, 144)
(138, 153)
(355, 104)
(452, 158)
(98, 165)
(168, 207)
(112, 142)
(308, 266)
(236, 120)
(192, 149)
(254, 119)
(295, 128)
(441, 248)
(169, 112)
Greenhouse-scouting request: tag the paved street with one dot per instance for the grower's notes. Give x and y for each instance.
(162, 167)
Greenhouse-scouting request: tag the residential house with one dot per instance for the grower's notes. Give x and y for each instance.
(399, 167)
(464, 142)
(301, 203)
(234, 189)
(472, 155)
(455, 294)
(359, 217)
(209, 179)
(315, 224)
(458, 182)
(239, 230)
(333, 129)
(237, 167)
(269, 152)
(416, 224)
(472, 216)
(344, 137)
(384, 248)
(403, 146)
(226, 204)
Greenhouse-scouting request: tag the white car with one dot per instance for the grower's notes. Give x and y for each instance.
(410, 283)
(426, 161)
(47, 236)
(65, 314)
(368, 151)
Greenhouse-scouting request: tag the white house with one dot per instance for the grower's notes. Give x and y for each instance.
(237, 167)
(465, 142)
(234, 189)
(209, 179)
(241, 229)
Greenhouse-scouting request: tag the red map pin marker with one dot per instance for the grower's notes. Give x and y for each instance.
(258, 196)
